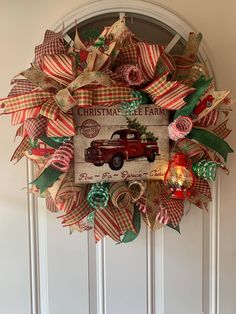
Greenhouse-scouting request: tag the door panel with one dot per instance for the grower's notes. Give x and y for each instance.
(64, 262)
(125, 276)
(183, 266)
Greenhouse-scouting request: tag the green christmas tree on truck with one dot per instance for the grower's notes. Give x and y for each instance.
(144, 133)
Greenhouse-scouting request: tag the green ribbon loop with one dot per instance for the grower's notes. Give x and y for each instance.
(211, 140)
(192, 100)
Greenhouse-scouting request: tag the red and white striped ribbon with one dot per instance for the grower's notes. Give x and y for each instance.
(209, 119)
(59, 67)
(63, 156)
(163, 216)
(180, 127)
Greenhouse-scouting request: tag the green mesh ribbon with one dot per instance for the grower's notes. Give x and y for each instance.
(98, 195)
(206, 169)
(131, 106)
(34, 143)
(54, 142)
(90, 218)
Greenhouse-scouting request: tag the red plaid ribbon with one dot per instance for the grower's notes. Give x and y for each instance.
(124, 219)
(51, 206)
(160, 86)
(35, 127)
(190, 148)
(221, 130)
(174, 207)
(21, 86)
(127, 55)
(144, 55)
(167, 94)
(71, 199)
(66, 189)
(105, 223)
(201, 193)
(80, 211)
(53, 44)
(68, 205)
(50, 109)
(26, 101)
(102, 96)
(112, 75)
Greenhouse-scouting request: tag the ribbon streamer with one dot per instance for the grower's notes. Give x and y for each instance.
(211, 140)
(47, 178)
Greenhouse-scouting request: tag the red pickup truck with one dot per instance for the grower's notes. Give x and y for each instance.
(124, 144)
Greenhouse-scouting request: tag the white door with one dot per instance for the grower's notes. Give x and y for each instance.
(159, 273)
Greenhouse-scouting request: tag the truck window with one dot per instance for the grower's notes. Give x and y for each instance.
(116, 136)
(131, 136)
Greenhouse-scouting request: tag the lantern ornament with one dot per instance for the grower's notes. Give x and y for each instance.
(179, 177)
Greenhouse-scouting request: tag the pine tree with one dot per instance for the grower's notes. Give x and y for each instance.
(134, 124)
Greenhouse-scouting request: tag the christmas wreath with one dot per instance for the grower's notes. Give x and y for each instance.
(166, 122)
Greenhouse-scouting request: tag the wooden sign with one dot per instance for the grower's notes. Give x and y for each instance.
(112, 147)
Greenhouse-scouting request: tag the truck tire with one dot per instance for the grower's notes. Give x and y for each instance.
(151, 157)
(117, 161)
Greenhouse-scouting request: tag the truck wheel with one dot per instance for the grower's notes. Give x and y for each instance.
(117, 161)
(151, 157)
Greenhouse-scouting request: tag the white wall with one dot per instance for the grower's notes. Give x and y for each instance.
(22, 25)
